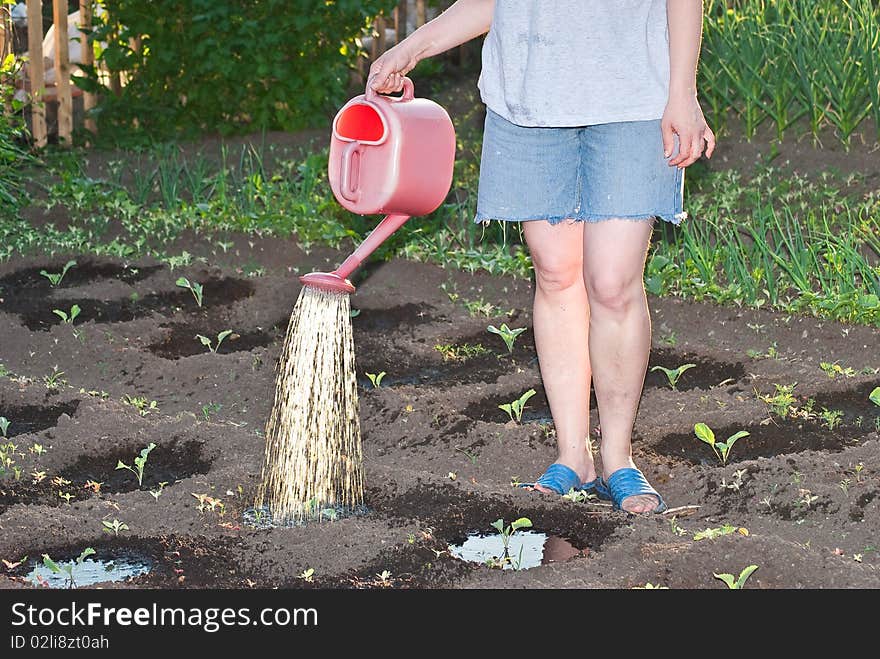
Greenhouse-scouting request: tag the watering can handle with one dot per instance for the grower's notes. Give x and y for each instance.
(409, 92)
(345, 182)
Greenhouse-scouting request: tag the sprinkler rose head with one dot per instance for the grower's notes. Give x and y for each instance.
(327, 281)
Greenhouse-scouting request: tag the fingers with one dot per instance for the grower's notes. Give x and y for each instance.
(668, 139)
(691, 147)
(710, 141)
(382, 80)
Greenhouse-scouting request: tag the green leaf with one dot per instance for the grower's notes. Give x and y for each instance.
(74, 312)
(183, 282)
(499, 525)
(88, 551)
(204, 340)
(874, 396)
(704, 433)
(222, 335)
(726, 578)
(52, 565)
(744, 576)
(60, 314)
(121, 465)
(522, 523)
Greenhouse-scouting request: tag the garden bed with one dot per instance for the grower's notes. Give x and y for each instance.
(440, 456)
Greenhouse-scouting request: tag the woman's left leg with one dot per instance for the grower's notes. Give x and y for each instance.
(619, 337)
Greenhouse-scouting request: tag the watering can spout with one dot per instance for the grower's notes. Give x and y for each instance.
(338, 279)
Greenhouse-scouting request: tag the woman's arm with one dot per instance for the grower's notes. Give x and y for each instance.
(683, 115)
(463, 21)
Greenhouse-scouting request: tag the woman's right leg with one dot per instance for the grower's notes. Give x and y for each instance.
(561, 320)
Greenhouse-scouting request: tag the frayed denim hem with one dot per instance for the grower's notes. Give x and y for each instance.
(673, 218)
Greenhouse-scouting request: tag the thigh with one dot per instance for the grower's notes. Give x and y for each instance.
(614, 252)
(556, 249)
(625, 173)
(527, 173)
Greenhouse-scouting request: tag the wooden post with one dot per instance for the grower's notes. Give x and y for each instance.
(88, 58)
(420, 13)
(36, 74)
(380, 26)
(374, 43)
(401, 21)
(62, 73)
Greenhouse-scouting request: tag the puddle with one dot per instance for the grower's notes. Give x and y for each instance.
(526, 549)
(261, 518)
(90, 571)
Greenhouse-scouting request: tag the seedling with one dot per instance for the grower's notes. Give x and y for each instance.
(114, 527)
(141, 404)
(384, 577)
(158, 493)
(650, 586)
(732, 582)
(737, 481)
(673, 374)
(68, 318)
(54, 379)
(669, 339)
(37, 449)
(55, 278)
(507, 334)
(874, 396)
(4, 425)
(194, 287)
(94, 486)
(210, 503)
(67, 569)
(67, 496)
(330, 513)
(307, 575)
(205, 341)
(514, 409)
(376, 380)
(140, 462)
(507, 532)
(722, 449)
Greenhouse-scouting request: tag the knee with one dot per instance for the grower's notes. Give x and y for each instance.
(614, 294)
(557, 277)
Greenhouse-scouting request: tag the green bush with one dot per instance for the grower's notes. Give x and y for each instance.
(13, 156)
(229, 67)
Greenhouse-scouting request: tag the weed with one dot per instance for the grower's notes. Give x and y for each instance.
(734, 583)
(37, 449)
(514, 409)
(308, 575)
(69, 567)
(669, 339)
(384, 577)
(650, 586)
(210, 503)
(55, 379)
(676, 528)
(737, 482)
(158, 492)
(782, 400)
(114, 527)
(673, 374)
(722, 449)
(55, 278)
(832, 370)
(376, 379)
(7, 458)
(718, 531)
(844, 486)
(470, 454)
(94, 486)
(65, 317)
(141, 404)
(140, 462)
(205, 341)
(211, 408)
(480, 307)
(508, 335)
(4, 425)
(194, 287)
(807, 498)
(831, 418)
(461, 352)
(579, 496)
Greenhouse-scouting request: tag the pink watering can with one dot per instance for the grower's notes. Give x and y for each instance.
(387, 155)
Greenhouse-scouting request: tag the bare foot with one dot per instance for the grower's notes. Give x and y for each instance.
(640, 503)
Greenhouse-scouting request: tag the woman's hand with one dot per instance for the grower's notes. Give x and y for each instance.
(684, 116)
(387, 72)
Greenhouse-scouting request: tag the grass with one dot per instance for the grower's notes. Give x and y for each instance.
(780, 60)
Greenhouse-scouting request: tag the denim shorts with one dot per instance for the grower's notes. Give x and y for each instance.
(581, 173)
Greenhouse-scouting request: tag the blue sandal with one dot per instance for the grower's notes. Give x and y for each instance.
(628, 482)
(562, 480)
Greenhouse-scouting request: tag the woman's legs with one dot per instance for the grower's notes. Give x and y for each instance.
(614, 253)
(561, 321)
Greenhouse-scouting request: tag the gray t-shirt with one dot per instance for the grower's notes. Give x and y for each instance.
(576, 62)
